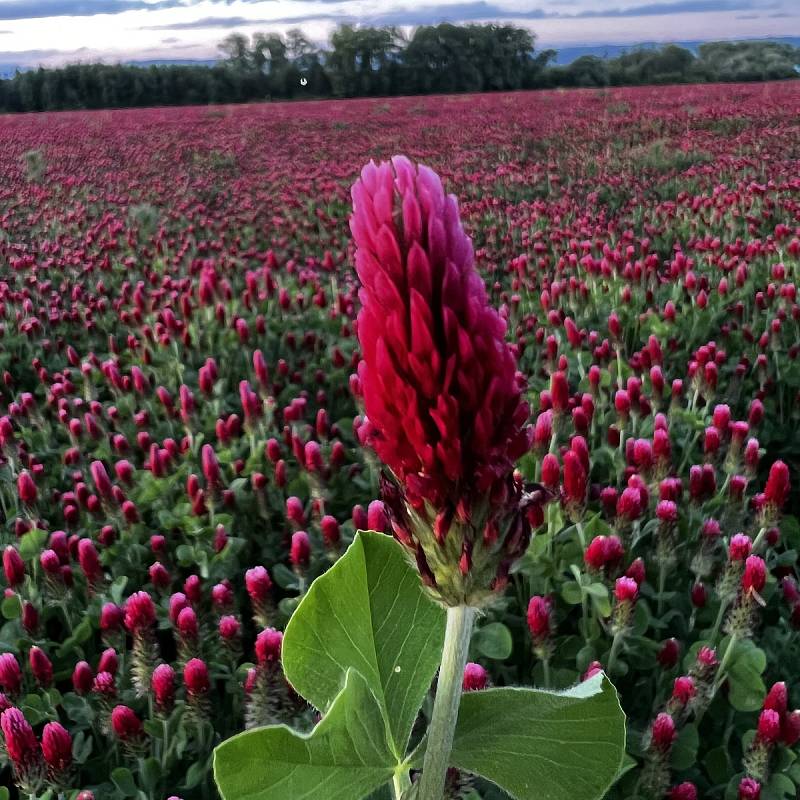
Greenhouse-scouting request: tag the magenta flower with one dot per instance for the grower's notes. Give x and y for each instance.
(475, 677)
(22, 747)
(443, 401)
(57, 748)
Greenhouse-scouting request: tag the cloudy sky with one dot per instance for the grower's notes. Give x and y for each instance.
(56, 31)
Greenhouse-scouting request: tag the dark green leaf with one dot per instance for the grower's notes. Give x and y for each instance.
(541, 745)
(367, 612)
(346, 757)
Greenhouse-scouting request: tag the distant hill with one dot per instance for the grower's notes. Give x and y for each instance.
(566, 55)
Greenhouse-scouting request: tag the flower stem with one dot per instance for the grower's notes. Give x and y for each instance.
(615, 645)
(401, 783)
(445, 708)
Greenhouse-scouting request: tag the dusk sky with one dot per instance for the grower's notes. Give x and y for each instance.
(52, 32)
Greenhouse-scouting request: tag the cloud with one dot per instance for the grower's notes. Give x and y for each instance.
(205, 22)
(42, 9)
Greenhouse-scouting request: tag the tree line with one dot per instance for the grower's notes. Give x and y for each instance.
(380, 61)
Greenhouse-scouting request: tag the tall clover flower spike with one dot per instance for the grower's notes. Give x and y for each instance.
(442, 396)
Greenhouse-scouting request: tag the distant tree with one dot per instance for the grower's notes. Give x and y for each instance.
(235, 48)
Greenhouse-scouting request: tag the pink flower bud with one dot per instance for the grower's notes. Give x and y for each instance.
(10, 674)
(683, 791)
(196, 677)
(777, 488)
(57, 747)
(626, 590)
(669, 653)
(210, 465)
(187, 623)
(790, 728)
(755, 575)
(111, 618)
(162, 682)
(749, 789)
(683, 690)
(294, 511)
(101, 480)
(376, 516)
(22, 746)
(109, 662)
(268, 646)
(13, 566)
(475, 678)
(777, 698)
(769, 726)
(551, 471)
(300, 553)
(82, 678)
(539, 611)
(41, 667)
(663, 733)
(699, 595)
(89, 561)
(258, 584)
(140, 612)
(126, 725)
(330, 530)
(229, 628)
(26, 488)
(574, 479)
(739, 547)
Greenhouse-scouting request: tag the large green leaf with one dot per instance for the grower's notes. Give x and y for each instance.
(346, 757)
(367, 612)
(541, 745)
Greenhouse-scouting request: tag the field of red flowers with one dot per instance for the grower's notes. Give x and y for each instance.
(181, 423)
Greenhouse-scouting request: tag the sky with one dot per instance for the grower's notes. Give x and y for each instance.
(52, 32)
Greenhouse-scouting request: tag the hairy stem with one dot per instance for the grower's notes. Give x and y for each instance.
(445, 708)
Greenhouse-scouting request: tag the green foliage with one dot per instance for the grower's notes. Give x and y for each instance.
(541, 745)
(367, 612)
(364, 61)
(363, 647)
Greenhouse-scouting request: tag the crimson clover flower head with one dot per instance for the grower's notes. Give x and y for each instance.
(769, 726)
(755, 575)
(163, 684)
(683, 791)
(57, 748)
(749, 789)
(539, 612)
(663, 732)
(126, 725)
(268, 646)
(475, 677)
(777, 488)
(777, 698)
(41, 666)
(21, 744)
(10, 674)
(140, 612)
(196, 677)
(442, 396)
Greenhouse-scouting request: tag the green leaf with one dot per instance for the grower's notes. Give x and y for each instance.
(150, 774)
(684, 751)
(746, 686)
(368, 612)
(11, 607)
(30, 546)
(4, 795)
(123, 780)
(539, 745)
(346, 757)
(493, 641)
